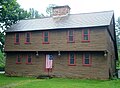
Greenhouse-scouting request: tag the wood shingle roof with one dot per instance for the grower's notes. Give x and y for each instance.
(70, 21)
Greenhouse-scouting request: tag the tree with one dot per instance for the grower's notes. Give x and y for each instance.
(49, 9)
(10, 13)
(35, 14)
(117, 27)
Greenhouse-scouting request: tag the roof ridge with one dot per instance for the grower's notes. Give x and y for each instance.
(94, 12)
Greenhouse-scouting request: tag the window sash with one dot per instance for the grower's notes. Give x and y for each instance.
(28, 37)
(18, 60)
(85, 35)
(29, 59)
(87, 59)
(71, 59)
(17, 38)
(45, 37)
(71, 39)
(70, 35)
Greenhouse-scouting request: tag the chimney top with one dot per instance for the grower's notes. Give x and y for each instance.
(60, 11)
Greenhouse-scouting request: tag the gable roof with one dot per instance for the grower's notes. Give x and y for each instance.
(71, 21)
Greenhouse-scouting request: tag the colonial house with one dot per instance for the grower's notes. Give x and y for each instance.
(63, 45)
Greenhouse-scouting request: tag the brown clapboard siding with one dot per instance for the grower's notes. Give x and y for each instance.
(58, 41)
(61, 68)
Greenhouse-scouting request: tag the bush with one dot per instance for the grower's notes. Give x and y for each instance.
(2, 60)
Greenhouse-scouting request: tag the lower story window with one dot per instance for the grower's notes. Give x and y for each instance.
(72, 58)
(18, 59)
(29, 59)
(87, 59)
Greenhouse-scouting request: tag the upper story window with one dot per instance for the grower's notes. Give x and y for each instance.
(29, 59)
(71, 36)
(85, 35)
(87, 59)
(18, 59)
(27, 37)
(17, 38)
(72, 59)
(46, 37)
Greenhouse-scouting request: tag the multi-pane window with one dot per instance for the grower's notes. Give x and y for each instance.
(86, 59)
(18, 59)
(71, 58)
(29, 59)
(27, 37)
(85, 35)
(70, 36)
(46, 37)
(17, 38)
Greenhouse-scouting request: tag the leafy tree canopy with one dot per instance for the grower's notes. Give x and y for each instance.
(117, 27)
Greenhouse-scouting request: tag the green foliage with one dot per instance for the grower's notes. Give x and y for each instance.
(2, 40)
(2, 60)
(23, 82)
(117, 27)
(10, 13)
(35, 14)
(49, 9)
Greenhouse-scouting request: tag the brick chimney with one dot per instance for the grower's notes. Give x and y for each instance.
(60, 11)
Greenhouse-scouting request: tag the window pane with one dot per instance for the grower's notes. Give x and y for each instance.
(72, 58)
(87, 58)
(86, 61)
(29, 59)
(71, 61)
(17, 37)
(70, 33)
(85, 37)
(70, 38)
(27, 39)
(45, 34)
(28, 35)
(71, 55)
(86, 31)
(46, 39)
(18, 59)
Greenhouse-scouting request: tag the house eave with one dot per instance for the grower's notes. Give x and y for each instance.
(37, 29)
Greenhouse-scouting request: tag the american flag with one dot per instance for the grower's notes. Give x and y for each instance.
(49, 61)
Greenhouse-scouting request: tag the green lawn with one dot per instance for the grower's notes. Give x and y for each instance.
(24, 82)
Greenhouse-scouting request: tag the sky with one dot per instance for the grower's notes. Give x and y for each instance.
(77, 6)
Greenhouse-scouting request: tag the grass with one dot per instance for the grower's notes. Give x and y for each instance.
(24, 82)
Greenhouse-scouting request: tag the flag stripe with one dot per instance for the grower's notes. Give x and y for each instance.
(49, 61)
